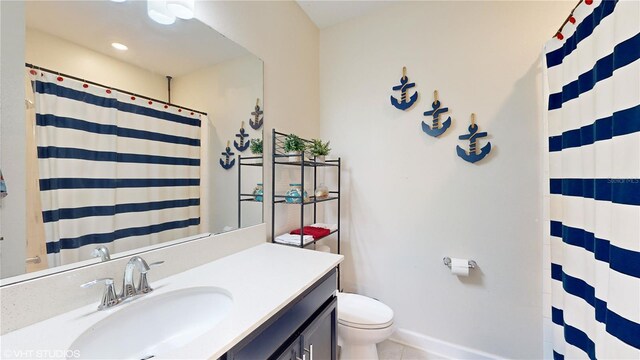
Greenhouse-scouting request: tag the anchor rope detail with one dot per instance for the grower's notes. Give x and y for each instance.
(241, 145)
(257, 120)
(473, 156)
(437, 110)
(404, 86)
(436, 130)
(227, 163)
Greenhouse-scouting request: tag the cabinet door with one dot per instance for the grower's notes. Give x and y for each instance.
(291, 353)
(320, 338)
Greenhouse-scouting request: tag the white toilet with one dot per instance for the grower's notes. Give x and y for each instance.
(362, 323)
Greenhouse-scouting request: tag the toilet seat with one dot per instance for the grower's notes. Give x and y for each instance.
(362, 312)
(366, 326)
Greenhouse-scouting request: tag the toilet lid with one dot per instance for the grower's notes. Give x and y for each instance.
(363, 312)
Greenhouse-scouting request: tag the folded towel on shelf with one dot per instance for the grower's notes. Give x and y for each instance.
(293, 239)
(331, 227)
(316, 232)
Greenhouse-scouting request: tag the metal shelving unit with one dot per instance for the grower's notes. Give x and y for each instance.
(280, 158)
(256, 161)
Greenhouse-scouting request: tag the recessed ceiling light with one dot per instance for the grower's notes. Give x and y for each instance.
(118, 0)
(119, 46)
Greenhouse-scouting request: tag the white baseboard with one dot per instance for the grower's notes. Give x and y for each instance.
(438, 347)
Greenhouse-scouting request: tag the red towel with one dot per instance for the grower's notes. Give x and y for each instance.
(316, 232)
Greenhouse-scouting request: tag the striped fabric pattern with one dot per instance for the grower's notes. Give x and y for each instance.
(114, 169)
(593, 120)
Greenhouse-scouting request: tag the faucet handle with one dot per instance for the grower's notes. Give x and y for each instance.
(107, 281)
(109, 297)
(154, 264)
(143, 284)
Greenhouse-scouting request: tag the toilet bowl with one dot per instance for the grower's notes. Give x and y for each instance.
(362, 323)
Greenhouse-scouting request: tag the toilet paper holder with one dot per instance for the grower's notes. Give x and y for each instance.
(447, 261)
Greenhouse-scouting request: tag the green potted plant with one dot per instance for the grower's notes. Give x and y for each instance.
(319, 149)
(293, 146)
(256, 146)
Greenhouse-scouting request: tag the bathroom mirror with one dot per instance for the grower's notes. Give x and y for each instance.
(133, 135)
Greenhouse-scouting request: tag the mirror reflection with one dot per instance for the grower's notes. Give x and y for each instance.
(135, 134)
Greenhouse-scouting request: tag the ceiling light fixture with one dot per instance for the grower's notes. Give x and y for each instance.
(184, 9)
(158, 12)
(119, 46)
(118, 0)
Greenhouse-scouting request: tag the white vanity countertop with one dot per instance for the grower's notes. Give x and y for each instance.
(262, 280)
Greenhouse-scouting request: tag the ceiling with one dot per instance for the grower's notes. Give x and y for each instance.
(328, 13)
(175, 50)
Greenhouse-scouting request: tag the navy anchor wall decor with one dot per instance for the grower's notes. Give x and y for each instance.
(472, 156)
(241, 144)
(435, 129)
(403, 104)
(227, 164)
(258, 120)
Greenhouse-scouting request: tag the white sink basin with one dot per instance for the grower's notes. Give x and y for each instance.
(149, 327)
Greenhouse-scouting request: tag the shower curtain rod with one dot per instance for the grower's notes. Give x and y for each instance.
(112, 88)
(568, 18)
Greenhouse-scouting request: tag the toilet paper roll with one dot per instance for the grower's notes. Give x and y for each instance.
(460, 267)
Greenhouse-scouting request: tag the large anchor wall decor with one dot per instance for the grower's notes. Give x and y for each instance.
(241, 144)
(257, 120)
(472, 156)
(226, 164)
(435, 129)
(403, 104)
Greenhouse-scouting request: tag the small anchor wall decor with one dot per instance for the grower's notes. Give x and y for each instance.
(257, 120)
(226, 164)
(403, 104)
(472, 156)
(436, 130)
(241, 145)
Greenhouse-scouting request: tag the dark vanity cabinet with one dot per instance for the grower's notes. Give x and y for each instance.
(305, 329)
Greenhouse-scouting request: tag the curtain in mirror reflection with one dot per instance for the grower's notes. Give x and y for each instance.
(113, 169)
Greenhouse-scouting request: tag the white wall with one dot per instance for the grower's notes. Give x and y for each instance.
(227, 92)
(410, 200)
(12, 152)
(281, 34)
(54, 53)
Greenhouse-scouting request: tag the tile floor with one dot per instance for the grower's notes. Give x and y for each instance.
(389, 350)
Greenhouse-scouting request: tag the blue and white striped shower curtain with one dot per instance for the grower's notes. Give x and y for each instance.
(593, 123)
(114, 169)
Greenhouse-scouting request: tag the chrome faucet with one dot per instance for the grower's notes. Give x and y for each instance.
(129, 288)
(102, 252)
